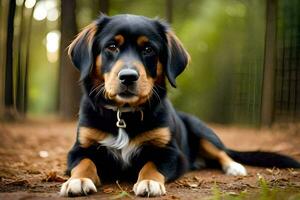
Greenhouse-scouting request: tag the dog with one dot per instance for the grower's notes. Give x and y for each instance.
(128, 129)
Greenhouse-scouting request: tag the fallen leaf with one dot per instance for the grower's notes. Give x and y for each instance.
(108, 190)
(53, 177)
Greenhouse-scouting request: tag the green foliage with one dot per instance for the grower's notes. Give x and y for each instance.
(264, 192)
(225, 39)
(43, 75)
(217, 195)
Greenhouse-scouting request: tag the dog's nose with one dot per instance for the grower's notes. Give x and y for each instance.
(128, 76)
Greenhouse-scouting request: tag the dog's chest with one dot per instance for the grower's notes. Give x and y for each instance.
(121, 147)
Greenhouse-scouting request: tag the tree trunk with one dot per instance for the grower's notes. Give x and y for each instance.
(27, 57)
(69, 90)
(168, 10)
(20, 65)
(267, 112)
(3, 27)
(100, 6)
(104, 6)
(8, 87)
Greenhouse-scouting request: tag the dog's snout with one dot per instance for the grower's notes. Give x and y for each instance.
(128, 76)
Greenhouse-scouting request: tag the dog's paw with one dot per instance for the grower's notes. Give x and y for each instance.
(77, 187)
(149, 188)
(235, 169)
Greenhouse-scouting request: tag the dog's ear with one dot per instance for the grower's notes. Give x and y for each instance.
(81, 49)
(178, 57)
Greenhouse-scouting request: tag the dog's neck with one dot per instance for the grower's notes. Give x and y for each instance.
(123, 109)
(119, 110)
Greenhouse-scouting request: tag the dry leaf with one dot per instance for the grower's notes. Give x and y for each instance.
(53, 177)
(108, 190)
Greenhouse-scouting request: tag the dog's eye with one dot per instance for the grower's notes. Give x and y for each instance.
(112, 48)
(148, 51)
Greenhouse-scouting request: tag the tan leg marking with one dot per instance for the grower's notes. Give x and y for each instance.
(149, 171)
(84, 179)
(229, 166)
(150, 181)
(215, 153)
(86, 169)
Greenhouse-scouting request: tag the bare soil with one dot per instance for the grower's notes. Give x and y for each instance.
(33, 161)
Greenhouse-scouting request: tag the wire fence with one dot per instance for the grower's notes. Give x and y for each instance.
(287, 80)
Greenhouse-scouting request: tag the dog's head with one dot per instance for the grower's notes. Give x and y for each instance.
(126, 58)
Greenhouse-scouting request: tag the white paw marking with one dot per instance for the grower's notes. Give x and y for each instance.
(149, 188)
(77, 187)
(235, 169)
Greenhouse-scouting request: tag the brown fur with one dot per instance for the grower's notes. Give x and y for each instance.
(86, 169)
(158, 137)
(170, 35)
(119, 39)
(213, 152)
(142, 40)
(144, 84)
(149, 172)
(96, 75)
(90, 136)
(112, 81)
(90, 30)
(160, 78)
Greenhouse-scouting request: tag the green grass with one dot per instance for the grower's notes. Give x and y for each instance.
(265, 192)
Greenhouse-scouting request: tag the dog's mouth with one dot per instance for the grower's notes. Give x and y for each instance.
(127, 94)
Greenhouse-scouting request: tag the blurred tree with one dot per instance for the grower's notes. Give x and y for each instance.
(169, 8)
(20, 78)
(69, 93)
(267, 110)
(9, 89)
(22, 60)
(100, 6)
(3, 24)
(104, 6)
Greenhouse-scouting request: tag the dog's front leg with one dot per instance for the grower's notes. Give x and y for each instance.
(150, 182)
(83, 180)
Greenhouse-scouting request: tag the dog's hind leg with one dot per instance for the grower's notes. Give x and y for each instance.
(229, 166)
(205, 143)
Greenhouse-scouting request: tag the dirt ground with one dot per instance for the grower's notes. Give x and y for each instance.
(33, 160)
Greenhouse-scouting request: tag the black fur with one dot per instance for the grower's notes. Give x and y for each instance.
(181, 152)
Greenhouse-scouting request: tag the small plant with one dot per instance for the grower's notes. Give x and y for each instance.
(265, 192)
(217, 195)
(122, 194)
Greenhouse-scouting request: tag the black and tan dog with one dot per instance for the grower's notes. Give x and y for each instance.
(128, 129)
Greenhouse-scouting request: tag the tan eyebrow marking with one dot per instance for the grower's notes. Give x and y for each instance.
(119, 39)
(142, 40)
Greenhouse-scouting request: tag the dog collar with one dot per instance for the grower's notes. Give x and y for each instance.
(121, 122)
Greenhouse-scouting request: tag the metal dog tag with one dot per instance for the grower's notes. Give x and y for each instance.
(120, 123)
